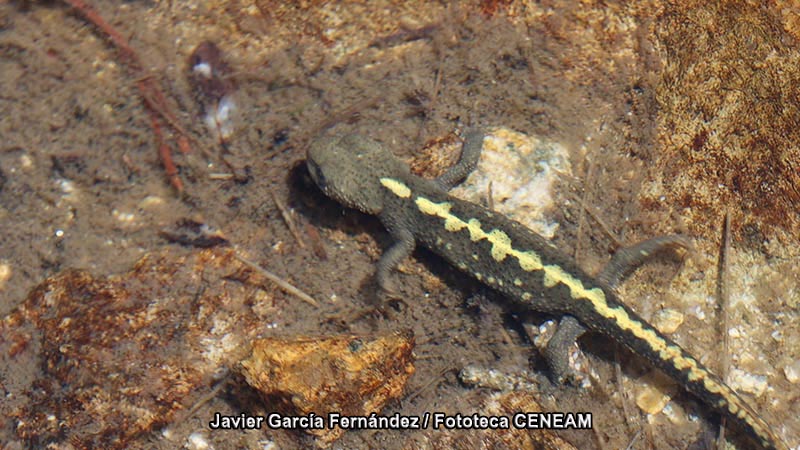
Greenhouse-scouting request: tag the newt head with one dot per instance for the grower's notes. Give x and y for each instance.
(348, 169)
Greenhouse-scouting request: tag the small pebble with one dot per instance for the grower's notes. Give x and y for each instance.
(792, 372)
(668, 320)
(123, 216)
(655, 392)
(5, 274)
(748, 382)
(197, 441)
(151, 201)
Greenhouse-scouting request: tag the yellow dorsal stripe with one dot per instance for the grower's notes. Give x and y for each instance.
(530, 261)
(396, 187)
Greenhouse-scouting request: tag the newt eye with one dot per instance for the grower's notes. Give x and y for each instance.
(317, 175)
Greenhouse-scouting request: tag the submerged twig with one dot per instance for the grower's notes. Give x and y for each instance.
(288, 288)
(149, 90)
(723, 297)
(596, 217)
(289, 220)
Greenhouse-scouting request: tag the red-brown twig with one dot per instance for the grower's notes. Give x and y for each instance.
(166, 154)
(150, 91)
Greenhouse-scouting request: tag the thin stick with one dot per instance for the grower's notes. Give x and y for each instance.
(288, 288)
(166, 154)
(626, 406)
(582, 215)
(723, 297)
(506, 337)
(344, 114)
(289, 220)
(634, 439)
(204, 399)
(116, 38)
(490, 196)
(603, 226)
(428, 384)
(149, 90)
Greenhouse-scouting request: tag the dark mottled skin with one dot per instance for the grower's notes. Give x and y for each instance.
(350, 168)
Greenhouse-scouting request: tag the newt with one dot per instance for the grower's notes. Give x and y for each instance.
(508, 257)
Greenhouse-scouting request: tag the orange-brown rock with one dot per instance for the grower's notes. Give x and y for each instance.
(351, 375)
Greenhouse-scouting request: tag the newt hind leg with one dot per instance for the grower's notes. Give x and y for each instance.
(622, 264)
(628, 259)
